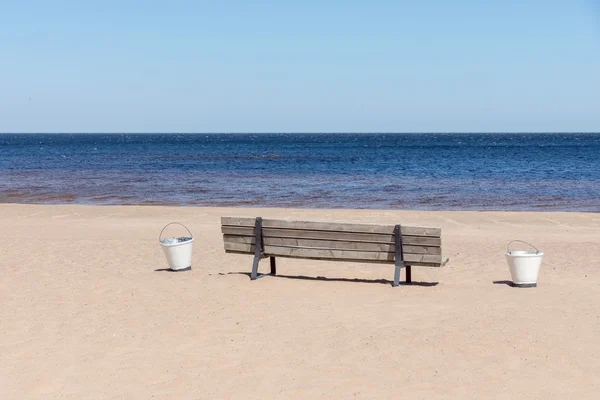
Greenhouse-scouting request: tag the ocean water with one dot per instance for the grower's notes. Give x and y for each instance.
(553, 172)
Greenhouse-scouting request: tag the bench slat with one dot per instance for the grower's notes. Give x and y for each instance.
(331, 226)
(434, 265)
(367, 256)
(326, 235)
(334, 244)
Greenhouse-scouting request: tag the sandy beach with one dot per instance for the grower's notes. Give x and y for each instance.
(85, 315)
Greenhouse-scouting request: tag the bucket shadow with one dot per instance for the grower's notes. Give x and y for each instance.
(171, 270)
(507, 283)
(516, 285)
(323, 278)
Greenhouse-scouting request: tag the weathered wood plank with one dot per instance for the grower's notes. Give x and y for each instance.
(433, 265)
(333, 244)
(331, 226)
(238, 230)
(326, 235)
(300, 252)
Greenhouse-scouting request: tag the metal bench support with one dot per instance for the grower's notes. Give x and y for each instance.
(259, 251)
(258, 247)
(399, 256)
(273, 266)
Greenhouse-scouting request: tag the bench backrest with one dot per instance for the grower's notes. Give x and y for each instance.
(333, 241)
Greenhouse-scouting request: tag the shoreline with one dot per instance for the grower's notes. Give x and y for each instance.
(305, 208)
(88, 313)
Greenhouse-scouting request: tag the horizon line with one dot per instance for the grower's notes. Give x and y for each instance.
(294, 133)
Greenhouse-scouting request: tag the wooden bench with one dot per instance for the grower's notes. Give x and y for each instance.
(385, 244)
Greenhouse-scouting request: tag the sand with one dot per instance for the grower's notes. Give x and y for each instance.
(84, 314)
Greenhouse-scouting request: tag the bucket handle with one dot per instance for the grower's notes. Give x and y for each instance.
(172, 223)
(520, 241)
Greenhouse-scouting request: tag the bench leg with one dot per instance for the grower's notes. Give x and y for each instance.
(396, 275)
(273, 266)
(408, 274)
(254, 273)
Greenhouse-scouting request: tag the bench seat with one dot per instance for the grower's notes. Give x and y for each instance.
(333, 241)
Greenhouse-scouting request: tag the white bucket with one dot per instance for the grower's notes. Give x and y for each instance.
(178, 250)
(524, 265)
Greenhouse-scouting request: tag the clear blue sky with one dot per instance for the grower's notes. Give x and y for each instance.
(299, 66)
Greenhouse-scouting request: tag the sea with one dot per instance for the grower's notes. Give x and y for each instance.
(408, 171)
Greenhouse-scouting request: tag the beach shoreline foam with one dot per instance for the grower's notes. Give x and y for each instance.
(86, 311)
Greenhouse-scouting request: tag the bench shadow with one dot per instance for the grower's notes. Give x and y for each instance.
(507, 283)
(323, 278)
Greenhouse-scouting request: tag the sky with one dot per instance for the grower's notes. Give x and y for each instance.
(300, 66)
